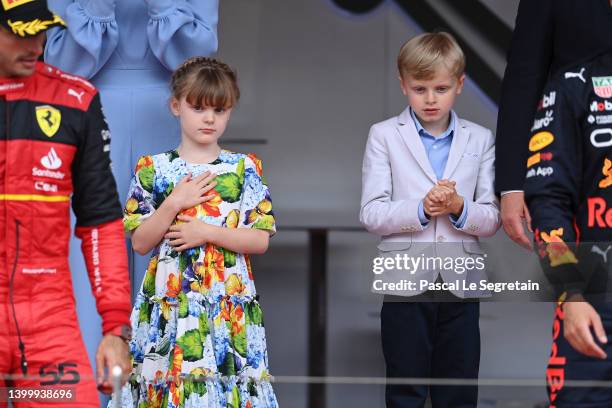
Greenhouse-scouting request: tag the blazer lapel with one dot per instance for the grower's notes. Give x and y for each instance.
(408, 132)
(458, 145)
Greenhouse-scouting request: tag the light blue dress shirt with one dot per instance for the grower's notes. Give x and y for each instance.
(438, 149)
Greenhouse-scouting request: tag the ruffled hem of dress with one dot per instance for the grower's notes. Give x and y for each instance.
(259, 393)
(201, 298)
(265, 378)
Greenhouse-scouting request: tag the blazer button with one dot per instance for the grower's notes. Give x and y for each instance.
(441, 238)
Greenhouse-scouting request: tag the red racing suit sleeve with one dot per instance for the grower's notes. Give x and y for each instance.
(106, 258)
(96, 205)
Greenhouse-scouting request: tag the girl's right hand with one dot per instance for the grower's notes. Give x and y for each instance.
(191, 191)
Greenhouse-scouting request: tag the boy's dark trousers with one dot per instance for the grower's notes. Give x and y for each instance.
(425, 339)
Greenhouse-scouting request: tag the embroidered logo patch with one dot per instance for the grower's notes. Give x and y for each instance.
(49, 119)
(603, 86)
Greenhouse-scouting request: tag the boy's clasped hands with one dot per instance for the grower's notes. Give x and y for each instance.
(188, 193)
(443, 199)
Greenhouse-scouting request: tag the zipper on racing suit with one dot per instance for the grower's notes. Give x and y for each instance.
(24, 361)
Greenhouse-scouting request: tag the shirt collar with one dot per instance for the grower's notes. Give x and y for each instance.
(421, 130)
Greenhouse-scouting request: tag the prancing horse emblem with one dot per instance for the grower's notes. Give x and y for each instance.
(49, 119)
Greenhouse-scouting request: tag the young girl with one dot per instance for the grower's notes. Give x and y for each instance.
(198, 335)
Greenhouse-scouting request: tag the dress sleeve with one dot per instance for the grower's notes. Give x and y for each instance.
(140, 205)
(90, 39)
(179, 29)
(256, 205)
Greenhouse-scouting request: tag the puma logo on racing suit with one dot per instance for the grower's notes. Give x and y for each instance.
(604, 254)
(579, 75)
(76, 94)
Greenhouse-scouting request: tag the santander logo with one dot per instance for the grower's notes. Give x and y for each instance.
(51, 161)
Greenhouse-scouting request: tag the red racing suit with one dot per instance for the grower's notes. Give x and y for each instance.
(54, 150)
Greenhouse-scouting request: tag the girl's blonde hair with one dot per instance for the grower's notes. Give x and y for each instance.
(422, 55)
(206, 82)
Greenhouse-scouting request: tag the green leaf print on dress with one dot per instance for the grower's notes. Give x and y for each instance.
(229, 258)
(235, 402)
(144, 316)
(203, 326)
(195, 384)
(131, 222)
(229, 187)
(183, 305)
(265, 222)
(145, 175)
(191, 343)
(240, 169)
(239, 343)
(252, 389)
(253, 314)
(148, 285)
(228, 367)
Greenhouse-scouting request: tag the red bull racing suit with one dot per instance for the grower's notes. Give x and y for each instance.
(568, 189)
(54, 150)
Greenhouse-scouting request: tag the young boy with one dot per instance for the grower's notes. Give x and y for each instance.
(428, 179)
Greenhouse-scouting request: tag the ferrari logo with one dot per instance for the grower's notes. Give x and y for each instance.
(9, 4)
(49, 119)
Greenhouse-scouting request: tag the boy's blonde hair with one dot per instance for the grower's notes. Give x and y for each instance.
(422, 55)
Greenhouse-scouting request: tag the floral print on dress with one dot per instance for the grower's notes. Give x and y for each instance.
(198, 331)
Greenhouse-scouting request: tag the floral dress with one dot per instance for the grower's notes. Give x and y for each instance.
(198, 334)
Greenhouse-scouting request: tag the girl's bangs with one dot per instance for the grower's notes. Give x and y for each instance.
(214, 91)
